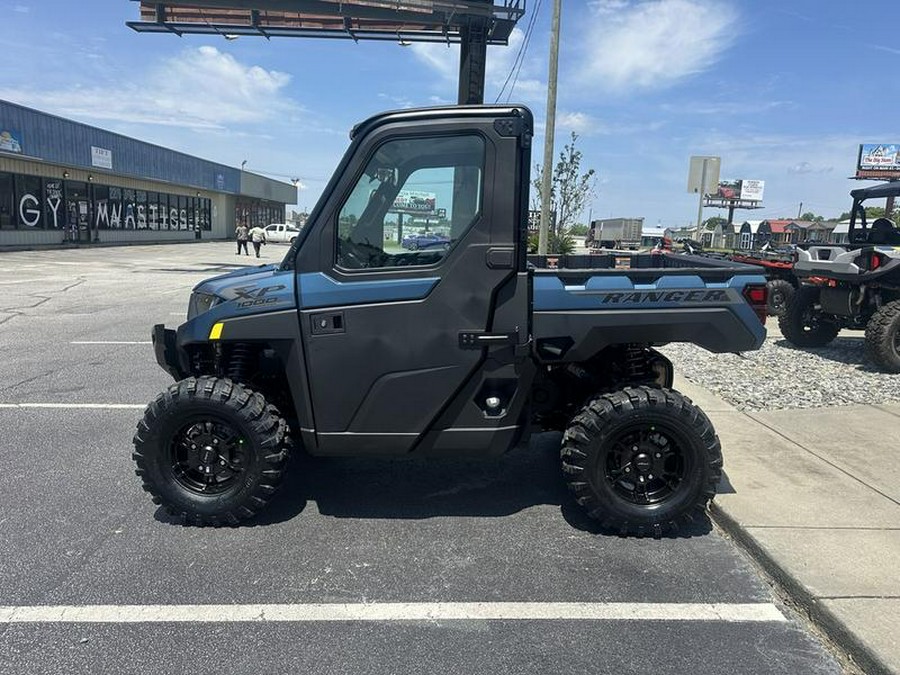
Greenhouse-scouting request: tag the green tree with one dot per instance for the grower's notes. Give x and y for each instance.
(558, 244)
(872, 212)
(570, 190)
(578, 230)
(812, 217)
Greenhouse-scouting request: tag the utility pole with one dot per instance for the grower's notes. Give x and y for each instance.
(549, 130)
(800, 211)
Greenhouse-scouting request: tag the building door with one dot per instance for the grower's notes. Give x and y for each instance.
(78, 220)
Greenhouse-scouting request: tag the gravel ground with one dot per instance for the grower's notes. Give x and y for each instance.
(780, 376)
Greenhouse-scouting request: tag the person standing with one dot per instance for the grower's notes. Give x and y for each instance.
(258, 237)
(243, 236)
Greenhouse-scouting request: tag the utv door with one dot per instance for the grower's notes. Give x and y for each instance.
(420, 349)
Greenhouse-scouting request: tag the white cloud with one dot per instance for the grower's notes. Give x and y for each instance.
(653, 44)
(200, 88)
(444, 61)
(578, 122)
(22, 9)
(608, 6)
(585, 124)
(807, 167)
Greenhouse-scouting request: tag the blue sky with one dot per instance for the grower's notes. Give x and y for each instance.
(782, 90)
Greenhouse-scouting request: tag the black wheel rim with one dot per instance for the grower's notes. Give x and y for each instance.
(812, 319)
(778, 299)
(208, 456)
(646, 465)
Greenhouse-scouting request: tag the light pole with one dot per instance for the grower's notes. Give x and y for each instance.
(243, 164)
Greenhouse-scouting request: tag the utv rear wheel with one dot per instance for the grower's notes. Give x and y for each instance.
(642, 461)
(803, 323)
(211, 451)
(883, 337)
(779, 295)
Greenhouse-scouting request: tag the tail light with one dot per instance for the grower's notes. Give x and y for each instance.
(870, 261)
(756, 296)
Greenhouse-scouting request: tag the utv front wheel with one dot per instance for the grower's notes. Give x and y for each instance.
(883, 337)
(642, 460)
(803, 323)
(211, 451)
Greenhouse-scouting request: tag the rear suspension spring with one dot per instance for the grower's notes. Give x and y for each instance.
(637, 366)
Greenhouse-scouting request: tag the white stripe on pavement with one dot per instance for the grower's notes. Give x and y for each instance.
(111, 342)
(401, 611)
(86, 406)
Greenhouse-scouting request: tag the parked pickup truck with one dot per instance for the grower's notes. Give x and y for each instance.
(351, 347)
(281, 232)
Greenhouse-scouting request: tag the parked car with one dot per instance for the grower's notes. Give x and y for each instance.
(281, 232)
(430, 239)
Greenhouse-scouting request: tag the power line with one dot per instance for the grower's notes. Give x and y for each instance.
(302, 177)
(527, 41)
(520, 55)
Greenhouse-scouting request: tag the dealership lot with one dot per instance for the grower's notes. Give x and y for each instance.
(357, 566)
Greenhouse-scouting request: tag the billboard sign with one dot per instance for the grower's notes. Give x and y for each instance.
(408, 201)
(740, 190)
(878, 160)
(101, 157)
(10, 140)
(752, 190)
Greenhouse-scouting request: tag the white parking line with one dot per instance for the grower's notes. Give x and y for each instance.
(111, 342)
(84, 406)
(401, 611)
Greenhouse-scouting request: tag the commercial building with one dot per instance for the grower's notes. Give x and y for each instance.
(66, 182)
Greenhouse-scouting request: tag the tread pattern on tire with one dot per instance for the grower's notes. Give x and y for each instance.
(263, 419)
(791, 322)
(881, 330)
(592, 423)
(786, 289)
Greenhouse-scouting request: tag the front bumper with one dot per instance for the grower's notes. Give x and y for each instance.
(167, 353)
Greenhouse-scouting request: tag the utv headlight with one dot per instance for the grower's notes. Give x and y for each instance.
(200, 303)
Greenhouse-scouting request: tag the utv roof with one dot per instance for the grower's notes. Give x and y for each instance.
(889, 189)
(416, 114)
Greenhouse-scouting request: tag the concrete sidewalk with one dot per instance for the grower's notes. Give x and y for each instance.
(814, 495)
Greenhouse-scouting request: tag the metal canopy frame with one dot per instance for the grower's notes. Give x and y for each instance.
(394, 20)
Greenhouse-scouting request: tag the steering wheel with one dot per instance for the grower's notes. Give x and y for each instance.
(353, 255)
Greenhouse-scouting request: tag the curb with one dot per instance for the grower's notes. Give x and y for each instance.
(70, 246)
(859, 653)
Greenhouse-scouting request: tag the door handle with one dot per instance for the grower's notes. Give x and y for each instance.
(327, 323)
(475, 339)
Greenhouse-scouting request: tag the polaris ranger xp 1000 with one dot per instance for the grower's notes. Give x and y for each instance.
(354, 345)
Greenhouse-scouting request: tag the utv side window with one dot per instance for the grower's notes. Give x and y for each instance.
(416, 198)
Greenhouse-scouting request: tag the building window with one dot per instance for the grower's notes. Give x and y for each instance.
(54, 209)
(29, 213)
(140, 209)
(7, 196)
(103, 210)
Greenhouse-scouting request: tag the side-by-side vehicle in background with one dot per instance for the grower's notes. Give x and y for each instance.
(854, 285)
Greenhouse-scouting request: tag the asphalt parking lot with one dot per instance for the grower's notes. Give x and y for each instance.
(357, 566)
